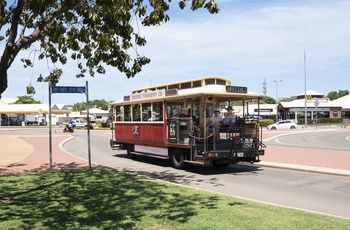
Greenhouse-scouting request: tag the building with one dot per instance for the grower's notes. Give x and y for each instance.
(317, 106)
(345, 103)
(31, 114)
(97, 115)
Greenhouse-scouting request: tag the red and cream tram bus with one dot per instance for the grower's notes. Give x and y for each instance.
(147, 122)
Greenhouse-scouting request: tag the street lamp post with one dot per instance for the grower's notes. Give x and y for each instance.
(277, 98)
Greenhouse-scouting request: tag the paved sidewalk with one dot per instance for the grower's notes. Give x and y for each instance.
(25, 151)
(305, 159)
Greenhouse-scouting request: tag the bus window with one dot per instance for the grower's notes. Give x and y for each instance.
(210, 107)
(146, 111)
(136, 112)
(119, 113)
(193, 112)
(157, 111)
(173, 109)
(127, 112)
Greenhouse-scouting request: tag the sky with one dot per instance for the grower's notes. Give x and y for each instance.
(297, 43)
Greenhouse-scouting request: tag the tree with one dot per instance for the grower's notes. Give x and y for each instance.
(26, 100)
(79, 107)
(335, 95)
(100, 104)
(286, 99)
(93, 33)
(268, 100)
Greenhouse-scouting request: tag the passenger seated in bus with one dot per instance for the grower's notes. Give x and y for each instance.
(215, 121)
(147, 116)
(196, 129)
(184, 113)
(150, 117)
(230, 119)
(175, 113)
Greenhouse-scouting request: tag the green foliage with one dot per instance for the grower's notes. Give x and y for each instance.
(92, 33)
(26, 100)
(100, 104)
(321, 121)
(286, 99)
(104, 198)
(335, 95)
(78, 107)
(266, 122)
(268, 100)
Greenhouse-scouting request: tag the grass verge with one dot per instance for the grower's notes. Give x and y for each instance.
(103, 198)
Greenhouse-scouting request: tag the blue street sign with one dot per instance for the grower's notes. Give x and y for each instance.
(68, 89)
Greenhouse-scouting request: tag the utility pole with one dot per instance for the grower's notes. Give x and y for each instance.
(305, 88)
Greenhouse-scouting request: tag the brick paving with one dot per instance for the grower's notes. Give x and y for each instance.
(298, 156)
(24, 151)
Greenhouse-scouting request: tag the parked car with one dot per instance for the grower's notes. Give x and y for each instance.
(78, 123)
(284, 124)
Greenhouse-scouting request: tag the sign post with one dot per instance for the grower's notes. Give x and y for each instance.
(69, 89)
(316, 105)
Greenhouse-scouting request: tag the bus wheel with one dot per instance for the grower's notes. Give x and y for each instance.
(178, 158)
(129, 149)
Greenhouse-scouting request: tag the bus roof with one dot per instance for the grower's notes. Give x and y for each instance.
(222, 90)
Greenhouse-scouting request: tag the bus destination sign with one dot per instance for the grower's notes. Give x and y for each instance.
(236, 89)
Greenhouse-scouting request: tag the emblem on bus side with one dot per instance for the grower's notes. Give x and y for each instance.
(135, 130)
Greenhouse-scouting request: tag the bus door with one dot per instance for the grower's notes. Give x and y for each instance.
(179, 130)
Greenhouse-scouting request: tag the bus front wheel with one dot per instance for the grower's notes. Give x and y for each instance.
(178, 158)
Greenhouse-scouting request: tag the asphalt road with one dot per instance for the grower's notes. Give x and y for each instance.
(328, 194)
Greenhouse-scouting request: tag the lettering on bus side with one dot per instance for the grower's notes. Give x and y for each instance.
(236, 89)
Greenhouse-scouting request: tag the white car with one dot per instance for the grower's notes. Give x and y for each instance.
(78, 123)
(284, 124)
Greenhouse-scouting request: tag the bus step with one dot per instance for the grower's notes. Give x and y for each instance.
(150, 155)
(194, 162)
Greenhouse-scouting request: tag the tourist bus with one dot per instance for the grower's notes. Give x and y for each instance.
(147, 122)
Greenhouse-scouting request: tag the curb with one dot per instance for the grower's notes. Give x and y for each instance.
(305, 168)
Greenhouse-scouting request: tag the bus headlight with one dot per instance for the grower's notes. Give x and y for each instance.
(212, 155)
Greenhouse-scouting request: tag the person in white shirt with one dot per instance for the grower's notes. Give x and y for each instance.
(216, 119)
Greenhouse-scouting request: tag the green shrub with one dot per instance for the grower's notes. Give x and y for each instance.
(321, 121)
(266, 122)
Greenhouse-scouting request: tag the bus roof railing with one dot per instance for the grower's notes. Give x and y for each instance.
(187, 84)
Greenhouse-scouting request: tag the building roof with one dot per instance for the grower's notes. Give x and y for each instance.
(30, 108)
(344, 101)
(310, 92)
(299, 103)
(95, 110)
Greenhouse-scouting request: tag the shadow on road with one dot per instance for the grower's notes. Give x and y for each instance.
(188, 177)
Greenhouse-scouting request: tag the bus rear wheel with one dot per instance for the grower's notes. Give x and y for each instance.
(129, 149)
(178, 158)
